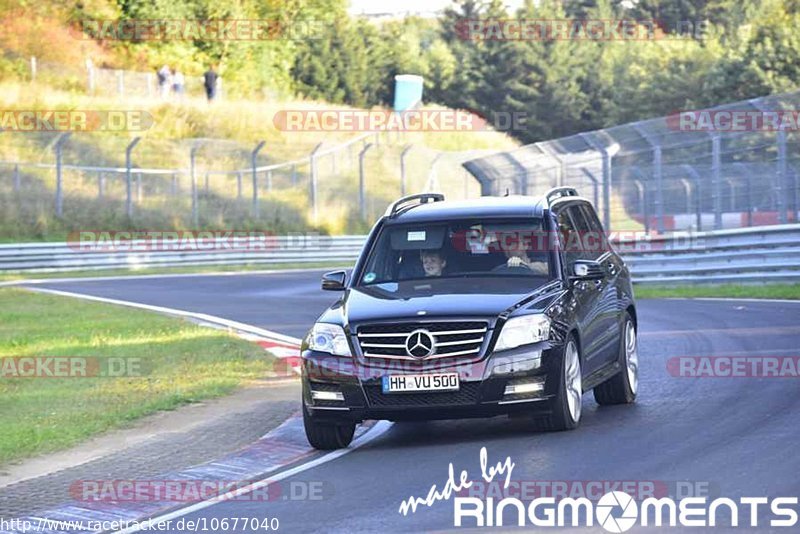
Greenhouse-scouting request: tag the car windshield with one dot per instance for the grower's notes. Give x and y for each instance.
(458, 249)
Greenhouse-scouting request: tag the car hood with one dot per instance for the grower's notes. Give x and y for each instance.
(458, 297)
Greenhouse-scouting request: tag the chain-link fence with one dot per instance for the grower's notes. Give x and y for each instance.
(730, 166)
(91, 180)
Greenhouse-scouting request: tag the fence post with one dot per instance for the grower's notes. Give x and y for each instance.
(101, 185)
(16, 178)
(362, 186)
(193, 174)
(716, 179)
(90, 72)
(128, 192)
(269, 181)
(657, 173)
(138, 188)
(205, 185)
(698, 193)
(174, 184)
(591, 177)
(294, 174)
(33, 68)
(645, 198)
(254, 162)
(59, 181)
(403, 155)
(782, 176)
(313, 192)
(239, 185)
(606, 153)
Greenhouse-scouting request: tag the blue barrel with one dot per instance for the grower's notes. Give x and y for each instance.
(407, 91)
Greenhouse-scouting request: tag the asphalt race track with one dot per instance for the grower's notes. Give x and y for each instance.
(732, 437)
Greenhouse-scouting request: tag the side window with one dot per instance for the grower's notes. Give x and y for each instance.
(586, 240)
(597, 240)
(567, 233)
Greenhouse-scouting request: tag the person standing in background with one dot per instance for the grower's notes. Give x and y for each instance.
(164, 84)
(178, 83)
(210, 83)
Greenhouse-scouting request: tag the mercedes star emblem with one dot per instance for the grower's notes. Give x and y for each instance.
(419, 344)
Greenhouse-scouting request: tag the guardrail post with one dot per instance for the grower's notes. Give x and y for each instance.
(782, 176)
(193, 175)
(362, 186)
(403, 155)
(59, 181)
(254, 162)
(313, 191)
(128, 191)
(716, 180)
(16, 178)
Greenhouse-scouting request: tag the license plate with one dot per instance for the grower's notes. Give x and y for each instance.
(430, 382)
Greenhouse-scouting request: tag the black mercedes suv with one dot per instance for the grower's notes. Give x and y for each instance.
(503, 305)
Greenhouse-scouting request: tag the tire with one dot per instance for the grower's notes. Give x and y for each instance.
(565, 409)
(327, 436)
(622, 387)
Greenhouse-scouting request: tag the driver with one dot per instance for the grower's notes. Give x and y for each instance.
(519, 258)
(433, 262)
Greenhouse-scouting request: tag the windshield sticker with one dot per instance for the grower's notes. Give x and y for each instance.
(369, 277)
(416, 236)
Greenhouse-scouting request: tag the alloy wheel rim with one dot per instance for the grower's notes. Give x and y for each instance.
(631, 356)
(572, 379)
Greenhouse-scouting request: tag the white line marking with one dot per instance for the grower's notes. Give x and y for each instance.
(24, 281)
(211, 319)
(730, 299)
(378, 430)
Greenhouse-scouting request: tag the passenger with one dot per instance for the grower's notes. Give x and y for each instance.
(433, 262)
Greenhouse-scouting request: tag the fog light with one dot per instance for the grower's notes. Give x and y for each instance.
(327, 395)
(523, 388)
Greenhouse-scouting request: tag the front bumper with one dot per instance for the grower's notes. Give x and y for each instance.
(483, 390)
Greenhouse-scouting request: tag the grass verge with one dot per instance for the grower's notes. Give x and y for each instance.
(765, 291)
(178, 363)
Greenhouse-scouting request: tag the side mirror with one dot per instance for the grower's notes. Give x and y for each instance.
(587, 270)
(334, 281)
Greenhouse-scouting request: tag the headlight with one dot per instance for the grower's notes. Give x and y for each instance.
(328, 338)
(523, 330)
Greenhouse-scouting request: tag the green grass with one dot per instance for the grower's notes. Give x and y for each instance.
(176, 270)
(765, 291)
(183, 363)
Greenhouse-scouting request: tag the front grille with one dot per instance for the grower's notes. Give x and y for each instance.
(451, 339)
(466, 395)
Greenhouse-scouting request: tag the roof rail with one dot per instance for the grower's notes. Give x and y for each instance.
(558, 192)
(423, 198)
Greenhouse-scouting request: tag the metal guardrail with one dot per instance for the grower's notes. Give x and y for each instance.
(770, 253)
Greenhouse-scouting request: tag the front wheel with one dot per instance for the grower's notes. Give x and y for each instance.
(566, 405)
(622, 387)
(327, 436)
